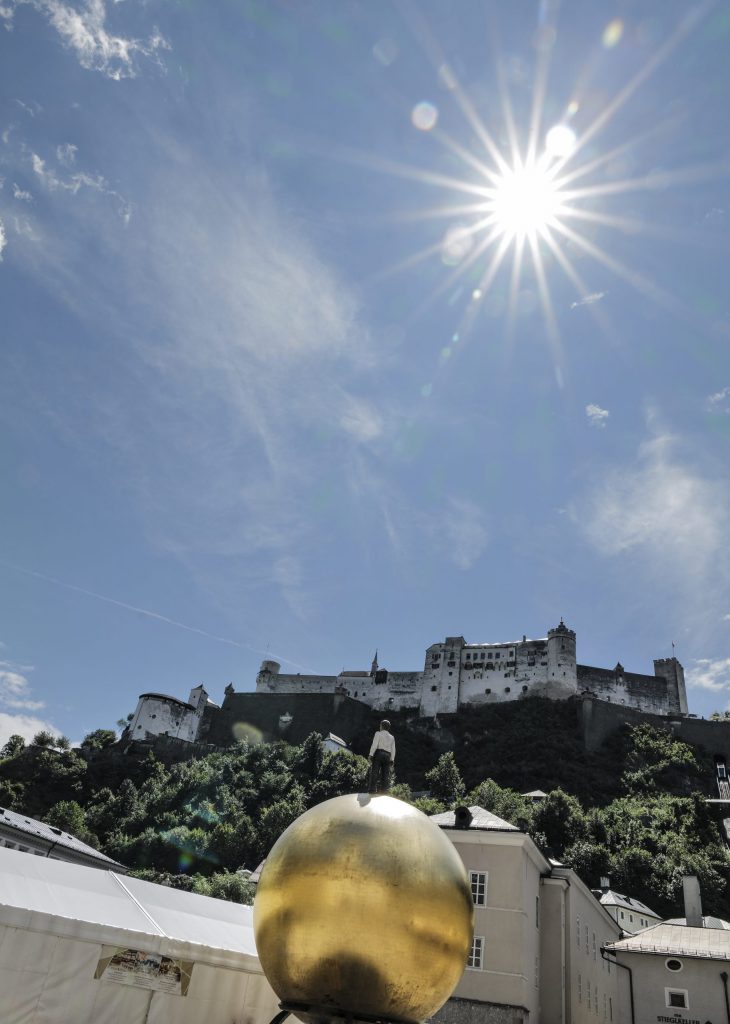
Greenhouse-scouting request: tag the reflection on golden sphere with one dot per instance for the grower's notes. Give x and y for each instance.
(363, 908)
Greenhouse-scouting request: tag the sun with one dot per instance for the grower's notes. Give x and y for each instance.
(525, 201)
(529, 199)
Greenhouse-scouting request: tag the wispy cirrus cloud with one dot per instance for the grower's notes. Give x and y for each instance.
(243, 351)
(597, 417)
(66, 154)
(719, 401)
(660, 507)
(588, 300)
(51, 180)
(83, 30)
(3, 240)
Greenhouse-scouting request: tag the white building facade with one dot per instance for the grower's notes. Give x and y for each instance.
(538, 933)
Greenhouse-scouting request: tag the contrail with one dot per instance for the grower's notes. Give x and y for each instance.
(145, 611)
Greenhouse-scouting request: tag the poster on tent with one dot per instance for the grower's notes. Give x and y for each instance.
(144, 970)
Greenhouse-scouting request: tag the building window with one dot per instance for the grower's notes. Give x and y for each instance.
(537, 911)
(610, 1008)
(588, 995)
(577, 932)
(490, 655)
(506, 689)
(476, 954)
(586, 940)
(594, 945)
(524, 689)
(487, 691)
(677, 998)
(478, 880)
(433, 689)
(580, 989)
(673, 964)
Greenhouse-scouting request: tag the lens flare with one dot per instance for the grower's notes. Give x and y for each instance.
(424, 116)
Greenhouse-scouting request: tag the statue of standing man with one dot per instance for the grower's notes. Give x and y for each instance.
(382, 756)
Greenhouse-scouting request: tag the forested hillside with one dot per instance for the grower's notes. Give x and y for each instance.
(635, 811)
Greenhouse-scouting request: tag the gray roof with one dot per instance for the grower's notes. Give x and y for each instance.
(166, 696)
(39, 830)
(707, 922)
(482, 821)
(677, 940)
(615, 899)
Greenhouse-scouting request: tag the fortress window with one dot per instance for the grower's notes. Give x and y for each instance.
(153, 716)
(524, 689)
(451, 665)
(468, 655)
(482, 655)
(487, 691)
(434, 689)
(506, 689)
(497, 655)
(490, 655)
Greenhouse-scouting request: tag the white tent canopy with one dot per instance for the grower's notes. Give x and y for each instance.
(61, 924)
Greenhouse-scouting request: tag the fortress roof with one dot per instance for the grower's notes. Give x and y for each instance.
(166, 696)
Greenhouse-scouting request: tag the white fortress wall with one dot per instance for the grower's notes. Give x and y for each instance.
(456, 673)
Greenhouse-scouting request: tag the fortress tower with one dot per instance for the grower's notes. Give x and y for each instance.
(562, 675)
(671, 670)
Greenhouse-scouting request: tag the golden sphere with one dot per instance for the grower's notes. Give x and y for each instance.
(363, 909)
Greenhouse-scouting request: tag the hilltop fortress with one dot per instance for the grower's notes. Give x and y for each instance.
(458, 674)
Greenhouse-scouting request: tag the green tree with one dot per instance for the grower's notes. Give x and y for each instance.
(561, 820)
(69, 816)
(13, 747)
(505, 803)
(445, 780)
(44, 739)
(99, 739)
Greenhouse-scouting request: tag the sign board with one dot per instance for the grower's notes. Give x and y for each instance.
(144, 970)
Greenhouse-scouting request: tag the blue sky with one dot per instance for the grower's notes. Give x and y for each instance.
(266, 385)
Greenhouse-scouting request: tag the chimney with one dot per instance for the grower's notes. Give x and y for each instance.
(692, 901)
(462, 817)
(605, 883)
